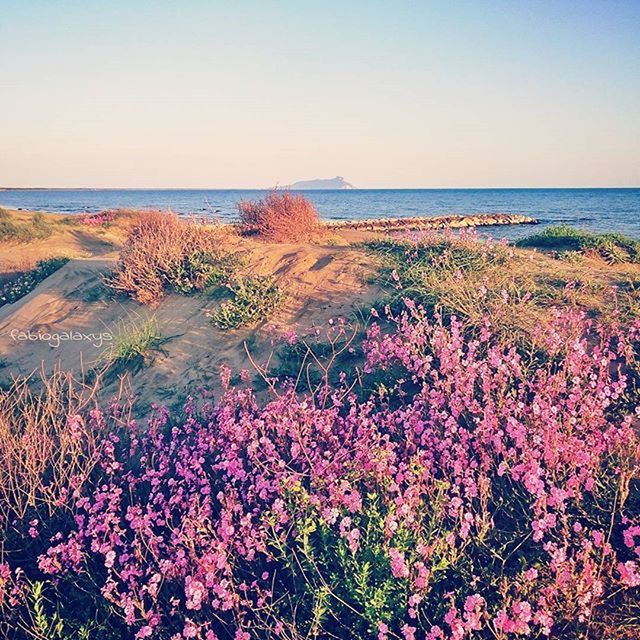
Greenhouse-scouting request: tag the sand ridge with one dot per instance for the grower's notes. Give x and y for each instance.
(321, 281)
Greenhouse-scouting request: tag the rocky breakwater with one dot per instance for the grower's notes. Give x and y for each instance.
(426, 222)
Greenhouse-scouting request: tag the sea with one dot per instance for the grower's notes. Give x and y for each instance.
(603, 210)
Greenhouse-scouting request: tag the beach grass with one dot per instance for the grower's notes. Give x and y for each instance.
(134, 343)
(35, 227)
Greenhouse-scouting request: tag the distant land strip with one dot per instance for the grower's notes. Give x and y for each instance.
(425, 222)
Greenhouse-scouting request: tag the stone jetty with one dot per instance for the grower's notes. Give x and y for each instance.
(429, 222)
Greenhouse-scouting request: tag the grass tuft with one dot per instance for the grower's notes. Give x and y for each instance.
(132, 347)
(36, 228)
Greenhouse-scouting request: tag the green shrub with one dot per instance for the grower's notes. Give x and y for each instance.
(335, 581)
(253, 298)
(200, 270)
(27, 281)
(612, 247)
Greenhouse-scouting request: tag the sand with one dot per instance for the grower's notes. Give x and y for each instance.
(322, 281)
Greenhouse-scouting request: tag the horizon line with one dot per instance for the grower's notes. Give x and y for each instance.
(476, 188)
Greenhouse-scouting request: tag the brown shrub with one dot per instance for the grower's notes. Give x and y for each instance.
(161, 252)
(48, 443)
(280, 216)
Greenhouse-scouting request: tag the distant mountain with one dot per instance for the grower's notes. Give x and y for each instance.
(329, 183)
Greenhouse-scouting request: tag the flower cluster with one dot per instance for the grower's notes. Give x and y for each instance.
(98, 219)
(473, 494)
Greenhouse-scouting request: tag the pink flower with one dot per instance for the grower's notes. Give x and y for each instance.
(408, 632)
(353, 539)
(194, 591)
(399, 568)
(598, 539)
(383, 631)
(629, 573)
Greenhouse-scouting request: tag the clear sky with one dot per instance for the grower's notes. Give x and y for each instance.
(187, 93)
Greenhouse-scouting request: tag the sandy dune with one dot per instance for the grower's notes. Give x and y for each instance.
(321, 281)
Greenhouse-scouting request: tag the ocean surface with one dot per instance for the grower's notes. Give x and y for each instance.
(600, 210)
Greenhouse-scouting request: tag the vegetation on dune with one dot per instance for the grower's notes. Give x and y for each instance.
(457, 274)
(253, 298)
(164, 253)
(416, 476)
(23, 283)
(204, 270)
(470, 496)
(280, 216)
(462, 275)
(14, 230)
(612, 247)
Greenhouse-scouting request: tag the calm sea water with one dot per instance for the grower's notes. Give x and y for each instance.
(601, 210)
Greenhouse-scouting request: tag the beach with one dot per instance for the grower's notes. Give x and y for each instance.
(285, 387)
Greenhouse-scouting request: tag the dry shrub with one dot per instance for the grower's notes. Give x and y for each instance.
(280, 216)
(158, 254)
(48, 443)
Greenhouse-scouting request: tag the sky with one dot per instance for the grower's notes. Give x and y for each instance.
(393, 94)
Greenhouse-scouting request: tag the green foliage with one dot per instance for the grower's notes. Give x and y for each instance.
(200, 270)
(44, 617)
(25, 282)
(253, 299)
(97, 293)
(341, 579)
(612, 247)
(45, 625)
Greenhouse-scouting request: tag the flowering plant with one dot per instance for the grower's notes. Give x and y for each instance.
(473, 494)
(99, 219)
